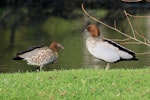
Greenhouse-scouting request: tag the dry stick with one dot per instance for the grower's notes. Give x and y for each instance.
(115, 24)
(141, 36)
(138, 16)
(130, 24)
(135, 30)
(113, 27)
(130, 43)
(122, 40)
(144, 53)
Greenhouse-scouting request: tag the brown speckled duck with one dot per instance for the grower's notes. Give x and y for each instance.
(40, 55)
(105, 49)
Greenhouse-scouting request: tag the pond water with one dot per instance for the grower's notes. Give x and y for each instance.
(69, 33)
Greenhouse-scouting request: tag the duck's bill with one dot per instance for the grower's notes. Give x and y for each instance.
(60, 46)
(85, 30)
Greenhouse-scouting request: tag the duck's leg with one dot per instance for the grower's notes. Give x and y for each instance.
(38, 69)
(41, 68)
(107, 66)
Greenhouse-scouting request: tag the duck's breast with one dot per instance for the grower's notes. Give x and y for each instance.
(101, 50)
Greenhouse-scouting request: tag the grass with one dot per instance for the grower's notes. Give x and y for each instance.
(81, 84)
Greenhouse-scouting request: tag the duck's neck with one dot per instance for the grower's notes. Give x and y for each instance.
(91, 40)
(94, 38)
(54, 49)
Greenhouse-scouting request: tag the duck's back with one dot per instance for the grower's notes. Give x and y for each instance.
(43, 57)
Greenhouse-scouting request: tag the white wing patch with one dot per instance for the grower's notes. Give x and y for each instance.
(124, 54)
(105, 53)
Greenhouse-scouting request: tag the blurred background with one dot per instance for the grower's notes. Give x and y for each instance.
(27, 23)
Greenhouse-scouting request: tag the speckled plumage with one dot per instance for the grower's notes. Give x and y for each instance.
(40, 56)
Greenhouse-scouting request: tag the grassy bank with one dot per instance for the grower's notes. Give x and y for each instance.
(82, 84)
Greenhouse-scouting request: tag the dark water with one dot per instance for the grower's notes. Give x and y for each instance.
(70, 34)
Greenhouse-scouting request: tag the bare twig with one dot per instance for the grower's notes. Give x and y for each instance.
(130, 43)
(130, 24)
(137, 16)
(121, 39)
(131, 0)
(115, 24)
(144, 53)
(143, 37)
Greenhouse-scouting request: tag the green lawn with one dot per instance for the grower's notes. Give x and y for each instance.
(81, 84)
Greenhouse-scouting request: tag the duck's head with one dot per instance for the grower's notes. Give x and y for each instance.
(55, 46)
(93, 30)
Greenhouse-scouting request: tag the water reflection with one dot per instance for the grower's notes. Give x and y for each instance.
(70, 34)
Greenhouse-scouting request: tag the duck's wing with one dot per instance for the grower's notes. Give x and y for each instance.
(104, 52)
(29, 52)
(124, 53)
